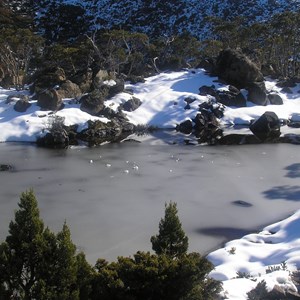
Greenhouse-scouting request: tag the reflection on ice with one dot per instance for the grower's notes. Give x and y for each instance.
(111, 214)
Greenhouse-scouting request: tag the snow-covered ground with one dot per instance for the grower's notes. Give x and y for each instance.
(271, 254)
(163, 105)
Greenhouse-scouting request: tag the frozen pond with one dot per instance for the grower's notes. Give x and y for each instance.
(112, 197)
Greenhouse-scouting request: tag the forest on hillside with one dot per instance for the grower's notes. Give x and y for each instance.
(66, 42)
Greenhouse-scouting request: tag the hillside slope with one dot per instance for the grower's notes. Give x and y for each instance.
(167, 17)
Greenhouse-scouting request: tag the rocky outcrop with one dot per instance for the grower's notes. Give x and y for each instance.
(283, 294)
(235, 68)
(84, 80)
(61, 136)
(205, 126)
(131, 104)
(266, 127)
(117, 88)
(50, 99)
(257, 93)
(185, 127)
(275, 99)
(93, 103)
(23, 104)
(231, 97)
(69, 89)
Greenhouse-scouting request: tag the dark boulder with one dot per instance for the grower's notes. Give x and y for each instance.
(257, 93)
(93, 103)
(83, 79)
(266, 127)
(23, 104)
(275, 99)
(237, 69)
(116, 88)
(118, 117)
(127, 127)
(69, 89)
(205, 119)
(185, 127)
(205, 90)
(49, 99)
(132, 104)
(189, 100)
(207, 128)
(216, 108)
(232, 97)
(109, 113)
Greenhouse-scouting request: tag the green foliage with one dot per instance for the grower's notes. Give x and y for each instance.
(275, 42)
(260, 292)
(240, 274)
(18, 48)
(271, 269)
(232, 250)
(171, 239)
(122, 51)
(38, 264)
(64, 28)
(22, 253)
(16, 14)
(72, 57)
(55, 124)
(176, 52)
(155, 277)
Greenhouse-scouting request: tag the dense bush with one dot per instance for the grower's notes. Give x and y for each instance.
(61, 38)
(36, 263)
